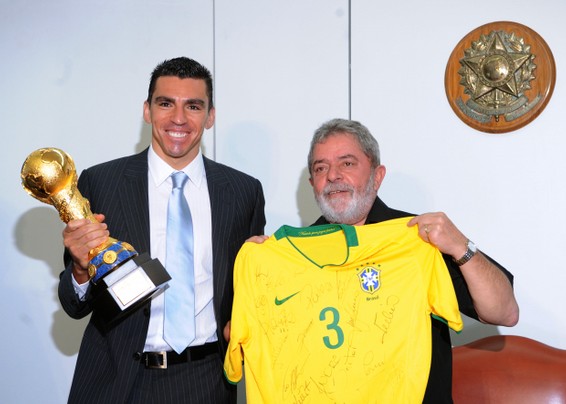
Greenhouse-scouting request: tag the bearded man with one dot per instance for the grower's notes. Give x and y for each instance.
(346, 173)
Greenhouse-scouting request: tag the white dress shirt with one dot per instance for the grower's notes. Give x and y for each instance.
(196, 192)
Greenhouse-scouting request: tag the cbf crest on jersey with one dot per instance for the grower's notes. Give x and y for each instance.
(369, 279)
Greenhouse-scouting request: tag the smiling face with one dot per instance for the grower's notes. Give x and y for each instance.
(179, 113)
(344, 183)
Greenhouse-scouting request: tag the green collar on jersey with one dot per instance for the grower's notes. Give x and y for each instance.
(349, 231)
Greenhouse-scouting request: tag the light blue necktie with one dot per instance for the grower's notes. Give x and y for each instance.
(179, 326)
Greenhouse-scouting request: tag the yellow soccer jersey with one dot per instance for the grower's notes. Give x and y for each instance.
(338, 314)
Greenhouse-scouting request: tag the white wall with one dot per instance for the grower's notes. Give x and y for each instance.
(74, 75)
(280, 71)
(504, 191)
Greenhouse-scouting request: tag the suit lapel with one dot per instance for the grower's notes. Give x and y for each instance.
(134, 201)
(221, 205)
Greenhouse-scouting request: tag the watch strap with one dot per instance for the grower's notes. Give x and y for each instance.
(470, 252)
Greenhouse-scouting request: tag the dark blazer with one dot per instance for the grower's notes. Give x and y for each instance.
(439, 387)
(107, 363)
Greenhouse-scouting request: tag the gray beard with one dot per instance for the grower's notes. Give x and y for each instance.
(356, 209)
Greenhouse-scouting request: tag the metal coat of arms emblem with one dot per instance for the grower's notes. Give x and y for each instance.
(500, 77)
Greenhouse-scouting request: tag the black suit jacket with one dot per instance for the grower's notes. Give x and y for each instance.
(439, 387)
(106, 366)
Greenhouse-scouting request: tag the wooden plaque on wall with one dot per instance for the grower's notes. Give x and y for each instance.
(500, 77)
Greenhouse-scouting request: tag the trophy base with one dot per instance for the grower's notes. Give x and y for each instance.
(128, 287)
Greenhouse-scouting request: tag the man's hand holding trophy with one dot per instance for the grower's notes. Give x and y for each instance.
(121, 279)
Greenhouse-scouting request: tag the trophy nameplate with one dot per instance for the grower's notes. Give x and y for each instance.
(121, 279)
(500, 77)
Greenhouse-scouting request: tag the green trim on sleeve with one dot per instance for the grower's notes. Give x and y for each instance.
(234, 383)
(445, 322)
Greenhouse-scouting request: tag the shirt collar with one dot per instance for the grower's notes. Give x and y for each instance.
(159, 170)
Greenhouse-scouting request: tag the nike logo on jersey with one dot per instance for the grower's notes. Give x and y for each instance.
(280, 302)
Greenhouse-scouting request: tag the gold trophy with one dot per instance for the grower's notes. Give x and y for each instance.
(121, 278)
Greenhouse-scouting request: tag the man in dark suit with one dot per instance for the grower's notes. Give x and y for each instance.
(120, 363)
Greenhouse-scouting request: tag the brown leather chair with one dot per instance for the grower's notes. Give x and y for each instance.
(509, 369)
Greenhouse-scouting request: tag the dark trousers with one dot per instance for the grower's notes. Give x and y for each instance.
(199, 382)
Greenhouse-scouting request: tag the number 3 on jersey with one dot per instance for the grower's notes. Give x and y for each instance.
(332, 325)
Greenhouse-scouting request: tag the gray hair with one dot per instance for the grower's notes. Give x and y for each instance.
(366, 141)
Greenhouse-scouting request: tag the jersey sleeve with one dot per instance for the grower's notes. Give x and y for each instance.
(239, 332)
(441, 294)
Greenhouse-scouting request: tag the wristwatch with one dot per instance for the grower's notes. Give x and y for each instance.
(470, 252)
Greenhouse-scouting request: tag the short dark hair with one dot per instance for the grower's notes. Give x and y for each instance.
(183, 68)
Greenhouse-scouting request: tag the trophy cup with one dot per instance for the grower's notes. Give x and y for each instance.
(121, 279)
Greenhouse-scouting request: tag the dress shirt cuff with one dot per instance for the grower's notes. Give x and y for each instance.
(80, 289)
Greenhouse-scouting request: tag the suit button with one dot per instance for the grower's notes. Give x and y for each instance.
(137, 356)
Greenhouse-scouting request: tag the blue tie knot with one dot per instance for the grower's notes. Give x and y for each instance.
(179, 179)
